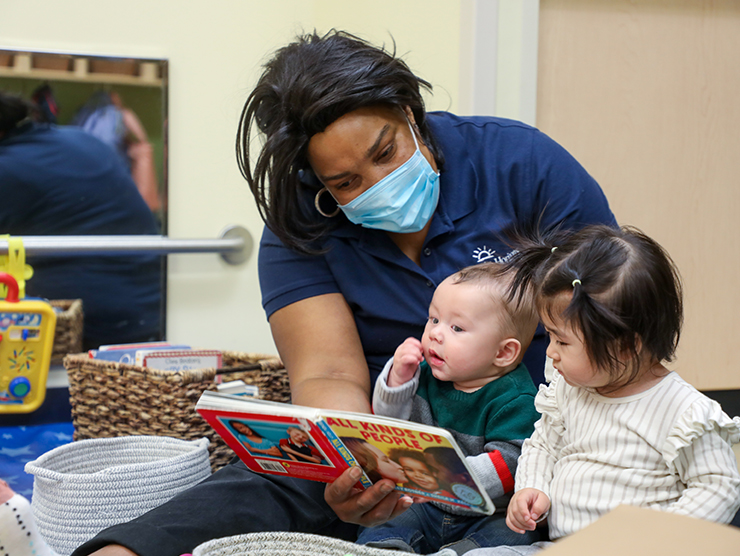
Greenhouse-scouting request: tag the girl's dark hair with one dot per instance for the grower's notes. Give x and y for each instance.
(306, 86)
(233, 422)
(626, 293)
(13, 110)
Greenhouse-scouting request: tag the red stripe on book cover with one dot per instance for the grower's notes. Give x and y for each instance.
(507, 481)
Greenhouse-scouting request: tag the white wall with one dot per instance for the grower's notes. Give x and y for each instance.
(215, 50)
(645, 95)
(498, 58)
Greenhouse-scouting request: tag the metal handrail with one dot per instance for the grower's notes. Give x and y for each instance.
(234, 245)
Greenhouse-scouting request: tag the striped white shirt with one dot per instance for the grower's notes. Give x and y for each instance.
(668, 448)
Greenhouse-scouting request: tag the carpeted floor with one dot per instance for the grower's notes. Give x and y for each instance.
(21, 444)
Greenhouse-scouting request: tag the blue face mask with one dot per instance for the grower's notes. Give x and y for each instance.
(403, 201)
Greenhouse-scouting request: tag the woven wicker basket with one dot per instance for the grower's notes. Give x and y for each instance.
(113, 399)
(68, 332)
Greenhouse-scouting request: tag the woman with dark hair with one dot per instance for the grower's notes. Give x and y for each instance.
(369, 203)
(62, 181)
(14, 112)
(292, 103)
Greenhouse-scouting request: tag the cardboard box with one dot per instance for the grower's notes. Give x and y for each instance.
(633, 531)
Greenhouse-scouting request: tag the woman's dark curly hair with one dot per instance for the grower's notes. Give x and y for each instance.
(13, 110)
(626, 297)
(306, 86)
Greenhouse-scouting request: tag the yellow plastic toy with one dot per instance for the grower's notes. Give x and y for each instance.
(14, 263)
(26, 340)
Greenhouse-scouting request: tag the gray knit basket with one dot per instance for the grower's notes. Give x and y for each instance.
(83, 487)
(293, 544)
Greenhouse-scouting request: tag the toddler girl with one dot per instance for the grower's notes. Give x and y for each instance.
(617, 426)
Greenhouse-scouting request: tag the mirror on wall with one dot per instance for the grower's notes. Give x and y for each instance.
(77, 85)
(123, 102)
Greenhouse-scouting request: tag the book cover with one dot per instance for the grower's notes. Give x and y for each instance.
(126, 353)
(238, 388)
(178, 360)
(138, 345)
(316, 444)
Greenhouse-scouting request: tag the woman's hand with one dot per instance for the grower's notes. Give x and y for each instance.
(526, 509)
(318, 342)
(369, 507)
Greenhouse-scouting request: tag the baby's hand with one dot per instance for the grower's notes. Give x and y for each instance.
(405, 361)
(526, 509)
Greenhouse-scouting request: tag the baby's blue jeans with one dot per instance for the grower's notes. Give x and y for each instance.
(425, 529)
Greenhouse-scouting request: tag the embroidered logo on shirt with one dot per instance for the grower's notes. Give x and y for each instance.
(481, 254)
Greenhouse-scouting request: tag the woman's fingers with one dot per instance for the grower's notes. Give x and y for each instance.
(369, 507)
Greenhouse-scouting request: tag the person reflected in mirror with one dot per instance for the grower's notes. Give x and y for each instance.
(106, 117)
(62, 181)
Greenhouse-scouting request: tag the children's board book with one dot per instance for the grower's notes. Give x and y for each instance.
(126, 353)
(319, 444)
(178, 360)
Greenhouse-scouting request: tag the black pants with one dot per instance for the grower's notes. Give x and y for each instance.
(232, 501)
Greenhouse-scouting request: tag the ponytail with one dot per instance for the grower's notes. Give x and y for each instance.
(533, 255)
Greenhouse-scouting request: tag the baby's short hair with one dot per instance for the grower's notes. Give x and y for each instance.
(518, 316)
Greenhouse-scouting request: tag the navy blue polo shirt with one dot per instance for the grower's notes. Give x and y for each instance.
(497, 173)
(63, 181)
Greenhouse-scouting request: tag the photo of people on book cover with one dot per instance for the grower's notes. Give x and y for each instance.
(280, 441)
(423, 465)
(309, 443)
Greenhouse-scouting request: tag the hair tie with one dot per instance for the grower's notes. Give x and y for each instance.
(576, 281)
(553, 249)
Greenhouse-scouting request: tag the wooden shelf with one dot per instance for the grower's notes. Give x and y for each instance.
(64, 67)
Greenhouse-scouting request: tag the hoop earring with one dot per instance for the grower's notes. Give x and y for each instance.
(317, 204)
